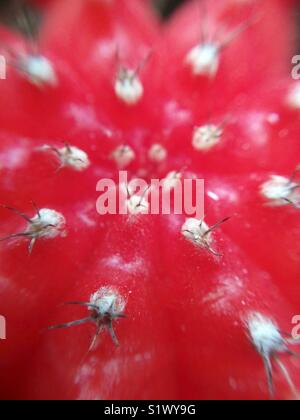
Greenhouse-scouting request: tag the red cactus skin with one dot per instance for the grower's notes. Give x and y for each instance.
(200, 322)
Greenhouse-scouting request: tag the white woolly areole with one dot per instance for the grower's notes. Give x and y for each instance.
(157, 153)
(265, 335)
(137, 204)
(171, 181)
(128, 87)
(108, 301)
(206, 137)
(71, 156)
(196, 231)
(204, 59)
(293, 97)
(47, 224)
(38, 69)
(280, 191)
(123, 156)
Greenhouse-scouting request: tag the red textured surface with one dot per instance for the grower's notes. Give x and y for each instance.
(184, 336)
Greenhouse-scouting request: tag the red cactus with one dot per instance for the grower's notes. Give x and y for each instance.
(197, 312)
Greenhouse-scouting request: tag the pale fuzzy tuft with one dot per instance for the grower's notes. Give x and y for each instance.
(206, 137)
(123, 156)
(47, 224)
(280, 191)
(71, 157)
(293, 97)
(108, 301)
(128, 87)
(137, 204)
(196, 231)
(38, 69)
(157, 153)
(172, 180)
(204, 59)
(270, 343)
(265, 335)
(74, 158)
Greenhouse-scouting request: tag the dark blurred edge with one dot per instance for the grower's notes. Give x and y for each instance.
(165, 8)
(9, 10)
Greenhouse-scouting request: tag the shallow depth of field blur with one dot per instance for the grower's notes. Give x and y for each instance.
(186, 291)
(164, 8)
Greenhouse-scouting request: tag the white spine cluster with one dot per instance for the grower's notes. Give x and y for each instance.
(70, 156)
(171, 181)
(105, 307)
(206, 137)
(47, 224)
(38, 70)
(293, 97)
(197, 231)
(137, 204)
(157, 153)
(204, 59)
(123, 156)
(128, 86)
(108, 301)
(269, 342)
(280, 191)
(265, 335)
